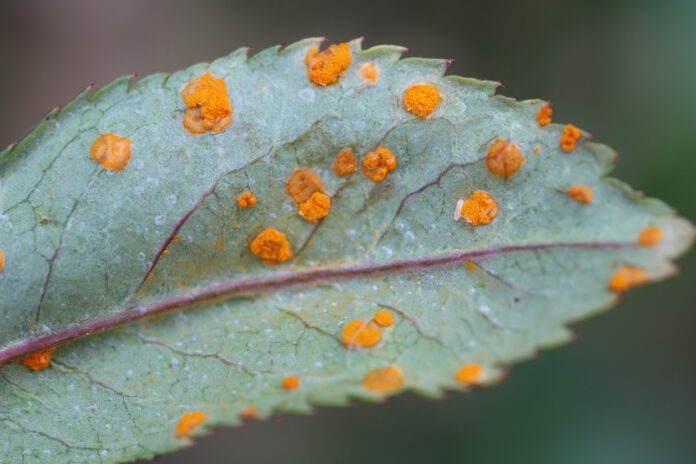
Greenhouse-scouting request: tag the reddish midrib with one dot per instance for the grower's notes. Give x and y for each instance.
(279, 281)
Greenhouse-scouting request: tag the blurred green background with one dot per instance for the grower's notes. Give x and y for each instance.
(625, 390)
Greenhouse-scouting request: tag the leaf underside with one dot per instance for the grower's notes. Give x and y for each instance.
(87, 249)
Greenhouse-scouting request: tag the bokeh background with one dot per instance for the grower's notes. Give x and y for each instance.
(625, 70)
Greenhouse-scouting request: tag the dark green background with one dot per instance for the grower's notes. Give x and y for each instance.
(625, 391)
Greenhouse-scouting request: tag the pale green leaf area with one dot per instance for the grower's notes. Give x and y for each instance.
(79, 241)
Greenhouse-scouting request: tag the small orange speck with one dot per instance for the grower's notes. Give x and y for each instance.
(2, 260)
(359, 333)
(626, 278)
(246, 200)
(421, 99)
(650, 236)
(544, 115)
(176, 239)
(469, 374)
(189, 422)
(292, 382)
(378, 163)
(325, 67)
(39, 360)
(209, 106)
(571, 135)
(369, 73)
(580, 193)
(384, 380)
(537, 150)
(302, 184)
(248, 412)
(504, 159)
(271, 246)
(470, 265)
(317, 207)
(111, 151)
(345, 163)
(384, 318)
(479, 209)
(165, 252)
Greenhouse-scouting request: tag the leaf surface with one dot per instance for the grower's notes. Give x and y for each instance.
(89, 249)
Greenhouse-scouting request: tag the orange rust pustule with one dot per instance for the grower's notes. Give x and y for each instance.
(369, 73)
(209, 106)
(504, 159)
(345, 163)
(189, 422)
(479, 209)
(39, 360)
(359, 333)
(248, 412)
(469, 374)
(580, 193)
(627, 278)
(2, 260)
(649, 237)
(316, 208)
(384, 379)
(111, 151)
(271, 246)
(384, 318)
(246, 200)
(325, 67)
(378, 163)
(571, 135)
(302, 184)
(544, 115)
(292, 382)
(422, 99)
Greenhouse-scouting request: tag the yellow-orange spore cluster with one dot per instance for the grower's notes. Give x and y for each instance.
(39, 360)
(469, 374)
(626, 278)
(422, 99)
(291, 382)
(272, 246)
(246, 200)
(479, 209)
(111, 151)
(316, 207)
(384, 379)
(504, 159)
(361, 334)
(544, 115)
(189, 422)
(571, 135)
(345, 163)
(384, 318)
(2, 260)
(378, 163)
(248, 412)
(209, 106)
(369, 73)
(302, 184)
(325, 67)
(580, 193)
(649, 237)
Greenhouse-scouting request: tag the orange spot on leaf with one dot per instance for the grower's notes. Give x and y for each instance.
(571, 135)
(384, 318)
(649, 237)
(421, 99)
(246, 200)
(384, 380)
(248, 412)
(325, 67)
(469, 374)
(292, 382)
(479, 209)
(302, 184)
(378, 163)
(580, 193)
(317, 207)
(369, 73)
(111, 151)
(39, 360)
(626, 278)
(504, 159)
(271, 246)
(189, 422)
(359, 333)
(345, 163)
(2, 260)
(544, 115)
(209, 106)
(537, 150)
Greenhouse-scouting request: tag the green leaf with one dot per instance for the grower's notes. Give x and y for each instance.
(89, 249)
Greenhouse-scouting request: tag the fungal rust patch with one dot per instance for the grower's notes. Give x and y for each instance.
(39, 360)
(544, 115)
(246, 200)
(504, 159)
(649, 237)
(422, 99)
(580, 193)
(271, 246)
(384, 318)
(291, 382)
(627, 278)
(571, 135)
(302, 184)
(345, 163)
(111, 151)
(369, 73)
(479, 209)
(189, 422)
(469, 374)
(209, 106)
(316, 207)
(378, 163)
(325, 67)
(361, 334)
(384, 379)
